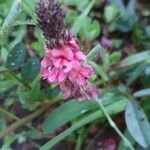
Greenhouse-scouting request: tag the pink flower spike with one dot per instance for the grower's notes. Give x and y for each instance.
(64, 65)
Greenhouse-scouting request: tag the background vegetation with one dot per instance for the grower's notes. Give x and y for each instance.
(115, 36)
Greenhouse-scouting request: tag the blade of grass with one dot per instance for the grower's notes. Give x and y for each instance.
(12, 14)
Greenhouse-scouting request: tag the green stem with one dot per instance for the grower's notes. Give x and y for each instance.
(22, 121)
(6, 113)
(79, 140)
(113, 125)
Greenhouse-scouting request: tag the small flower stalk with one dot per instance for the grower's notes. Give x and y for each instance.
(63, 62)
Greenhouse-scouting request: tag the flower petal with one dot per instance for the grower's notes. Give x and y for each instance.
(68, 54)
(87, 71)
(44, 73)
(52, 76)
(80, 55)
(57, 63)
(67, 66)
(80, 80)
(61, 76)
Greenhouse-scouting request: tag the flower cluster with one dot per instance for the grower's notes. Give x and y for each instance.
(63, 64)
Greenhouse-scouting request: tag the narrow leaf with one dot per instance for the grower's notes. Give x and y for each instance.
(12, 14)
(131, 7)
(4, 85)
(136, 58)
(137, 123)
(144, 92)
(65, 113)
(120, 5)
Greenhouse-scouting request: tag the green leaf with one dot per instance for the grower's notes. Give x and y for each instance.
(30, 69)
(99, 70)
(11, 17)
(120, 5)
(136, 58)
(16, 57)
(126, 23)
(66, 113)
(80, 5)
(71, 16)
(4, 85)
(78, 24)
(147, 70)
(114, 57)
(69, 2)
(110, 12)
(8, 141)
(111, 109)
(90, 29)
(35, 92)
(136, 73)
(131, 7)
(38, 44)
(116, 43)
(137, 123)
(4, 54)
(52, 93)
(141, 93)
(29, 8)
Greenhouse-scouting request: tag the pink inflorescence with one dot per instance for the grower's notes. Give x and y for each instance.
(64, 65)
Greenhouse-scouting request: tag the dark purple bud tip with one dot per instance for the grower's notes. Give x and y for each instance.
(50, 21)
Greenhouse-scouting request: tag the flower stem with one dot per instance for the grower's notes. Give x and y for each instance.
(113, 125)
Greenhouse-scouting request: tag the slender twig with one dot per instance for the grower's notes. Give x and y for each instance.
(23, 121)
(113, 125)
(6, 113)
